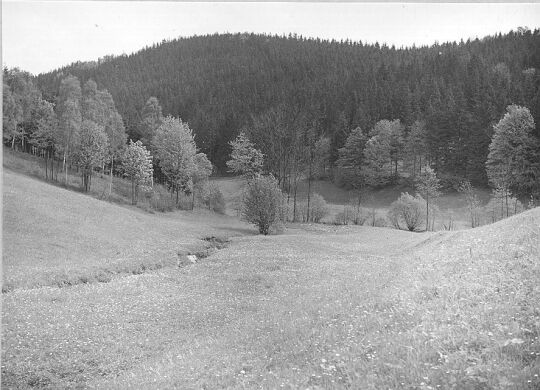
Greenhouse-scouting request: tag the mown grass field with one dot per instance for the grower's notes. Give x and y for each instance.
(317, 307)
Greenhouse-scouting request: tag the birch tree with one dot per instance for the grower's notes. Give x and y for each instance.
(91, 150)
(69, 117)
(137, 164)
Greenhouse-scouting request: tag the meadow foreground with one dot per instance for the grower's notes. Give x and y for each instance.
(316, 307)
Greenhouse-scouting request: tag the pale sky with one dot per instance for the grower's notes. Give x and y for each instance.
(39, 36)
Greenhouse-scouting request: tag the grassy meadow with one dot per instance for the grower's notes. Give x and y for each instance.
(99, 295)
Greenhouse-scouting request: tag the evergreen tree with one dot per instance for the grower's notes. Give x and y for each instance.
(415, 147)
(351, 159)
(151, 120)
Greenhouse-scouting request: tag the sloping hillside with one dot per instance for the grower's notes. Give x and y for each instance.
(219, 83)
(52, 235)
(318, 307)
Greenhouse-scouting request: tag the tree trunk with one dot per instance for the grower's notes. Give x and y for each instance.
(132, 191)
(309, 185)
(64, 166)
(427, 211)
(506, 200)
(111, 177)
(47, 166)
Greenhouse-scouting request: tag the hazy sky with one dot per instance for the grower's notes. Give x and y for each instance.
(39, 36)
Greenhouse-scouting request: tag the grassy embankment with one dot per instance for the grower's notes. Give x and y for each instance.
(317, 307)
(375, 201)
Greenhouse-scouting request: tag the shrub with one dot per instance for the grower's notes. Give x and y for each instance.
(408, 210)
(380, 222)
(185, 201)
(356, 214)
(319, 208)
(262, 202)
(213, 198)
(161, 202)
(341, 218)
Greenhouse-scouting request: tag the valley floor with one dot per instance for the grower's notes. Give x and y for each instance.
(319, 306)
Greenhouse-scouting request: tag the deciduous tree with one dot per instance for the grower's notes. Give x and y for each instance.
(137, 164)
(68, 111)
(262, 202)
(513, 159)
(91, 150)
(174, 147)
(428, 186)
(245, 158)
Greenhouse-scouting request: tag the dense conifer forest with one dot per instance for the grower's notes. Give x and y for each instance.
(220, 84)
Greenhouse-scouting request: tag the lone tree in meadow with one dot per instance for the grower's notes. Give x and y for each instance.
(91, 150)
(514, 154)
(262, 202)
(408, 210)
(428, 186)
(137, 163)
(174, 147)
(245, 158)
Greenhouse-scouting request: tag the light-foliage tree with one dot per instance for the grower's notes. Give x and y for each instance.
(262, 202)
(201, 172)
(45, 134)
(91, 150)
(245, 158)
(68, 111)
(137, 165)
(514, 154)
(407, 212)
(174, 147)
(473, 204)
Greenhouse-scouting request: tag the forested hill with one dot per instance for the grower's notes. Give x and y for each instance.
(222, 83)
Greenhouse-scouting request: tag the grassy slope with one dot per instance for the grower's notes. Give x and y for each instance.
(52, 235)
(318, 307)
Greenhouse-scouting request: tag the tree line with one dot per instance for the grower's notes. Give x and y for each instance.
(83, 128)
(448, 96)
(369, 161)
